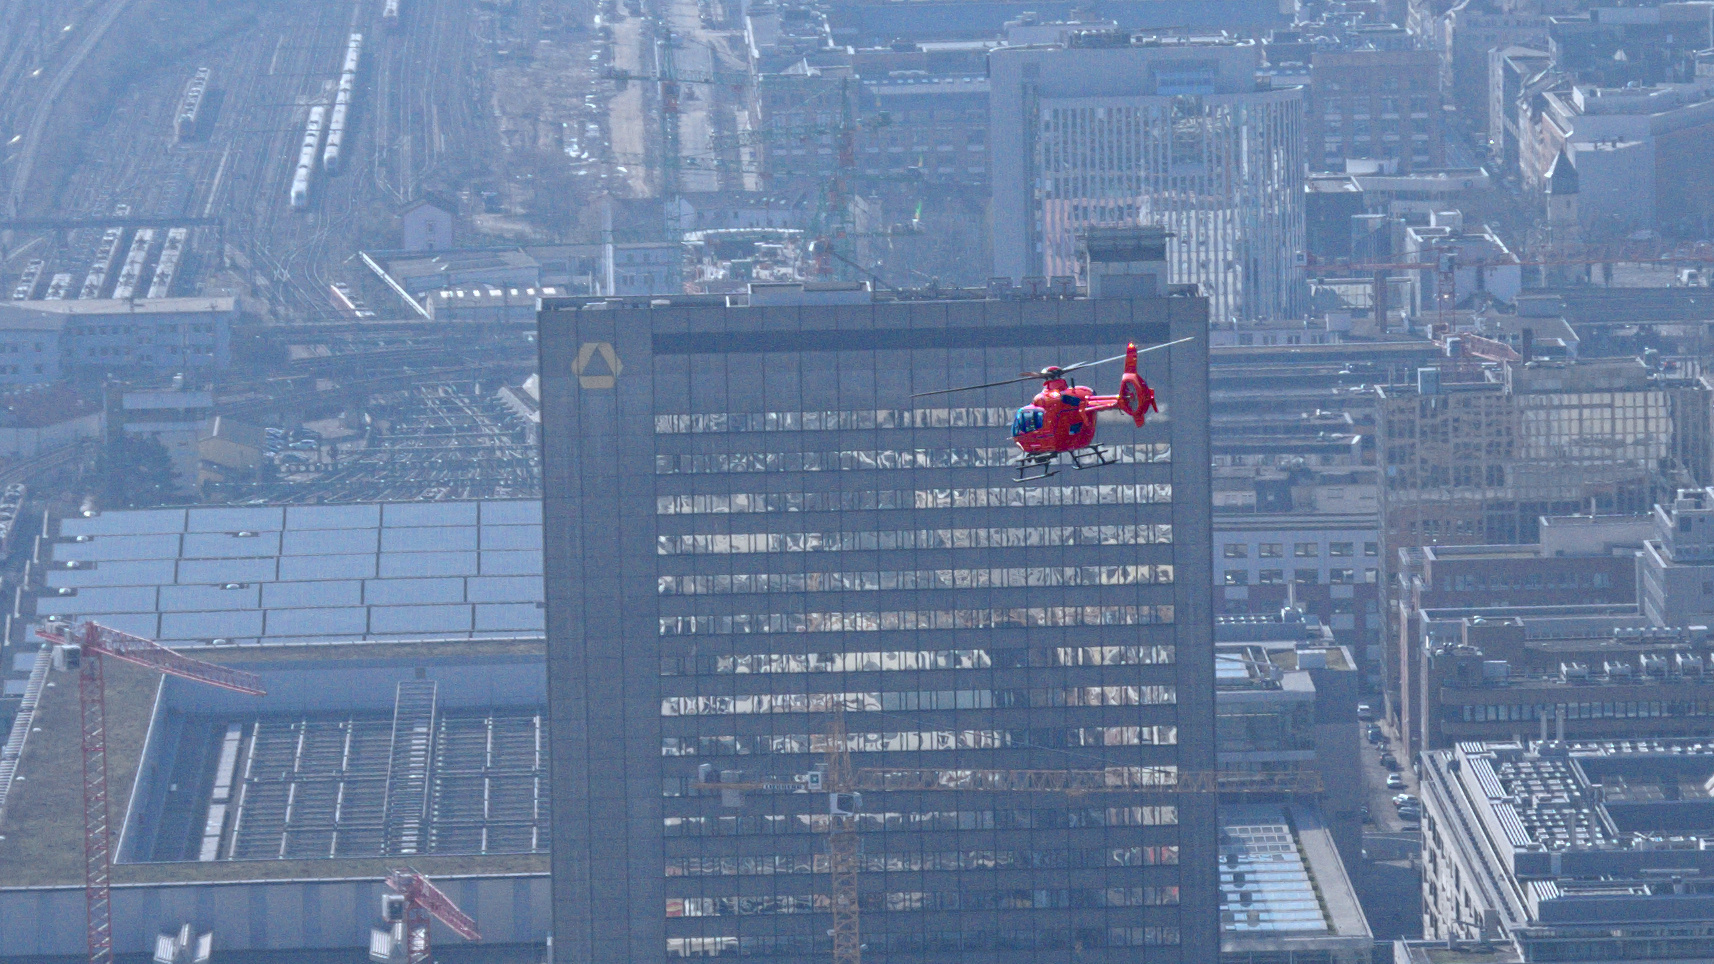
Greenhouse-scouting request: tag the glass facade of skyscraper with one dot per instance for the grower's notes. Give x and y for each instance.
(749, 523)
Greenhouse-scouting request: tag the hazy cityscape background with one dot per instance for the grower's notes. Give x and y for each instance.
(485, 436)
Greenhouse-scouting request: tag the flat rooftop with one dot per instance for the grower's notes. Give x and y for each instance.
(317, 769)
(116, 306)
(1282, 884)
(302, 574)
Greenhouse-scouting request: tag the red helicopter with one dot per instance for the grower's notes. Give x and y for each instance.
(1061, 419)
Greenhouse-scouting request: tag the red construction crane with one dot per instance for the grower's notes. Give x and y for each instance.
(417, 900)
(844, 787)
(86, 649)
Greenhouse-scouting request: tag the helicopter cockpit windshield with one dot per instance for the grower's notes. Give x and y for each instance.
(1028, 419)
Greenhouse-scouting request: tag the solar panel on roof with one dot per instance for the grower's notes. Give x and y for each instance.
(293, 568)
(138, 573)
(511, 563)
(429, 514)
(351, 623)
(333, 516)
(427, 563)
(513, 616)
(133, 522)
(224, 545)
(511, 512)
(158, 546)
(429, 539)
(503, 589)
(423, 558)
(420, 619)
(512, 537)
(210, 625)
(395, 592)
(330, 542)
(247, 519)
(227, 570)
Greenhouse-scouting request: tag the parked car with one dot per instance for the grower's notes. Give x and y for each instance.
(306, 445)
(1404, 800)
(1410, 815)
(1395, 782)
(1389, 761)
(1365, 711)
(1375, 734)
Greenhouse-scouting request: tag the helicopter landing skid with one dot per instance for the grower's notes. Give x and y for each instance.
(1092, 457)
(1037, 466)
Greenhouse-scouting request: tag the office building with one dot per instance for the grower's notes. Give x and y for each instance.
(750, 523)
(1375, 97)
(1113, 130)
(1635, 684)
(1554, 851)
(1286, 698)
(1477, 453)
(1675, 570)
(1638, 151)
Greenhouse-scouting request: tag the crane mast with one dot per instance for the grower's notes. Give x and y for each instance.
(90, 645)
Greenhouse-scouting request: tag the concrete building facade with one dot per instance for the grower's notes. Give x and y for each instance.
(749, 523)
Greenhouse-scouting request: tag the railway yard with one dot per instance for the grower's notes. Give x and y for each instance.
(256, 156)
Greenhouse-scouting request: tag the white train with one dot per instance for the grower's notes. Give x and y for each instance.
(59, 287)
(168, 266)
(306, 157)
(190, 105)
(390, 14)
(27, 281)
(106, 254)
(131, 275)
(342, 104)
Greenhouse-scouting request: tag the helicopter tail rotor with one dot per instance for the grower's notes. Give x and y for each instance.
(1136, 398)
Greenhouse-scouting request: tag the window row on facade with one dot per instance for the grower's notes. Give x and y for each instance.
(910, 620)
(982, 497)
(914, 741)
(996, 537)
(919, 660)
(905, 901)
(846, 460)
(1607, 709)
(1055, 818)
(1337, 575)
(767, 865)
(832, 421)
(885, 580)
(936, 940)
(916, 700)
(1299, 550)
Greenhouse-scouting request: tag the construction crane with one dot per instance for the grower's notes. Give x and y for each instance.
(407, 911)
(86, 649)
(845, 785)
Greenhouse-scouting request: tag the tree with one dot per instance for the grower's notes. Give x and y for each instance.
(135, 471)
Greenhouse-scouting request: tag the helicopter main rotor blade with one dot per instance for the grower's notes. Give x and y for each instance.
(971, 388)
(1140, 351)
(1055, 373)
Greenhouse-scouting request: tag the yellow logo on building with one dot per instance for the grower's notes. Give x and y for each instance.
(596, 378)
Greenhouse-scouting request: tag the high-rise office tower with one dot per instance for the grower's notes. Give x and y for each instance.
(749, 521)
(1113, 130)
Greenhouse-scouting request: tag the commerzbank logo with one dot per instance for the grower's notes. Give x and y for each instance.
(597, 365)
